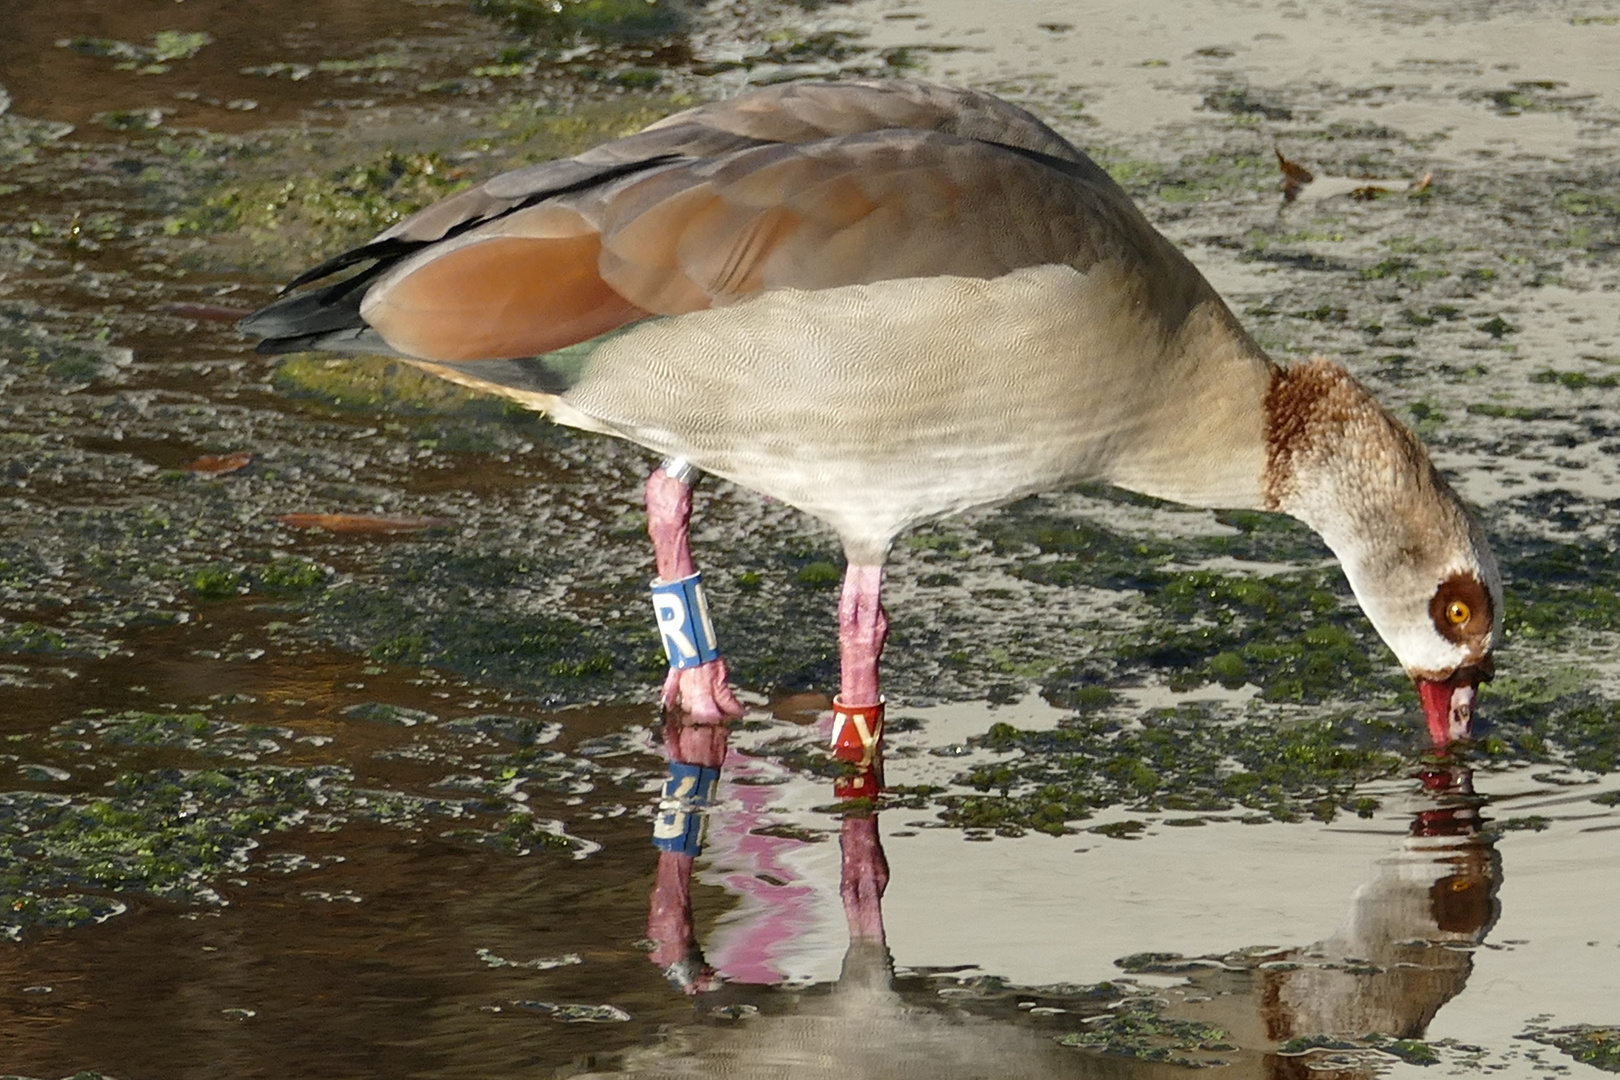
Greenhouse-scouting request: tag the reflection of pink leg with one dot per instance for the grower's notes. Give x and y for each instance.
(669, 916)
(864, 875)
(669, 926)
(702, 691)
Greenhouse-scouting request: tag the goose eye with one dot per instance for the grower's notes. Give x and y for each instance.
(1457, 612)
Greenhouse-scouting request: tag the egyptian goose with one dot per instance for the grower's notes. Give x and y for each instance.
(884, 302)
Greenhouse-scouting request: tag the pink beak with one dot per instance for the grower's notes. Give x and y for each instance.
(1448, 708)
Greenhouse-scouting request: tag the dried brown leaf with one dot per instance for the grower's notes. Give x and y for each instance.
(1295, 176)
(363, 523)
(220, 463)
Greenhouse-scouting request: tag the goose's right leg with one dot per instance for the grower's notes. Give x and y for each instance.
(697, 680)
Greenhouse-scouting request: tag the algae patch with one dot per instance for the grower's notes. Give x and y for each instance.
(1172, 760)
(1590, 1044)
(1137, 1030)
(192, 800)
(155, 58)
(600, 20)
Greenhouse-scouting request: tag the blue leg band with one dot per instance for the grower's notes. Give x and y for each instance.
(688, 789)
(682, 610)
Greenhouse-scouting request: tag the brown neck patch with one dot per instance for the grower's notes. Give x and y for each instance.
(1317, 414)
(1300, 404)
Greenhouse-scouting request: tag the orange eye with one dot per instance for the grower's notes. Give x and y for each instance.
(1457, 612)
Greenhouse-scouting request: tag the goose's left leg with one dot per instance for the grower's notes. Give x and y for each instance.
(697, 679)
(858, 709)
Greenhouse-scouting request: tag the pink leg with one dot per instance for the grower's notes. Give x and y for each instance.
(862, 627)
(702, 691)
(864, 874)
(858, 710)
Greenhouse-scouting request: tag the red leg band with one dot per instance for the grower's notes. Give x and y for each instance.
(857, 731)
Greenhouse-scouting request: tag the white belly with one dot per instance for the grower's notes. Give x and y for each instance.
(875, 407)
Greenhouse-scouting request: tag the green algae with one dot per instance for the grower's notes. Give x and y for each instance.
(26, 339)
(35, 638)
(1137, 1030)
(191, 800)
(153, 59)
(818, 575)
(1576, 380)
(1411, 1051)
(1578, 729)
(325, 211)
(166, 833)
(1294, 636)
(554, 656)
(31, 637)
(285, 574)
(600, 20)
(1597, 1045)
(378, 384)
(1175, 760)
(215, 583)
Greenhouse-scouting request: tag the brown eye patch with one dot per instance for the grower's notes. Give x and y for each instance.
(1461, 609)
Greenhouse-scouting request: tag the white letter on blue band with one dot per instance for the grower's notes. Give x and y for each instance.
(682, 611)
(688, 789)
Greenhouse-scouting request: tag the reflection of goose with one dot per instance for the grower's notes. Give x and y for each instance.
(883, 303)
(1403, 950)
(861, 1029)
(1400, 955)
(858, 1028)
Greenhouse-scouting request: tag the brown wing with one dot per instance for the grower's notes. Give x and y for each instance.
(811, 111)
(801, 185)
(847, 211)
(841, 211)
(790, 113)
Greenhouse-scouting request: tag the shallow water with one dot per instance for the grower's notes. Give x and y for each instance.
(284, 801)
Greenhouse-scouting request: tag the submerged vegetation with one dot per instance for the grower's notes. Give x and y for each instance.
(602, 20)
(1182, 760)
(173, 831)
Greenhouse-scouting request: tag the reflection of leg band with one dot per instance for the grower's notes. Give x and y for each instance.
(857, 730)
(682, 610)
(679, 824)
(864, 783)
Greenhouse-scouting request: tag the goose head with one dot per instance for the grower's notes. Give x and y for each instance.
(1440, 611)
(1415, 556)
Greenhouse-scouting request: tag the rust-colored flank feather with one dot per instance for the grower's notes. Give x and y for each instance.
(500, 298)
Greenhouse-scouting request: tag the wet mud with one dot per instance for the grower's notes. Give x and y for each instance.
(330, 745)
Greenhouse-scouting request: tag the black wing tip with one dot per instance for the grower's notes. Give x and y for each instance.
(385, 250)
(283, 346)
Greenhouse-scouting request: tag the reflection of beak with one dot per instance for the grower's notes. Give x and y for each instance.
(1448, 706)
